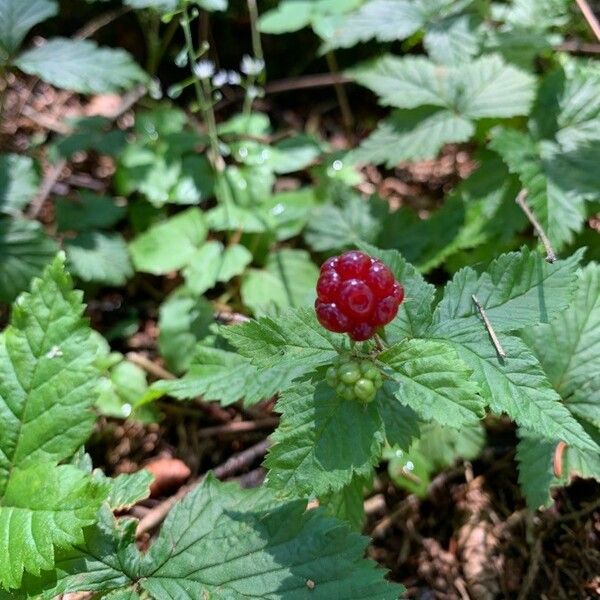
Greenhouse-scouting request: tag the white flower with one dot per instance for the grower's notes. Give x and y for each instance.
(233, 78)
(251, 66)
(204, 69)
(220, 79)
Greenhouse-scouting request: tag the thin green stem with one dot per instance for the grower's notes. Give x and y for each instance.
(347, 116)
(202, 88)
(248, 98)
(256, 43)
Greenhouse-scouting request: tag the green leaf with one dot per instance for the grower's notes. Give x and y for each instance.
(443, 103)
(558, 207)
(434, 382)
(294, 153)
(19, 181)
(322, 441)
(225, 542)
(287, 17)
(518, 289)
(347, 504)
(24, 251)
(128, 489)
(213, 263)
(87, 212)
(290, 277)
(182, 234)
(534, 459)
(42, 507)
(451, 40)
(401, 423)
(99, 256)
(122, 390)
(17, 18)
(341, 224)
(89, 133)
(568, 348)
(184, 319)
(47, 386)
(81, 66)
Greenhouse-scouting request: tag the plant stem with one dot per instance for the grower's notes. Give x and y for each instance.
(256, 43)
(202, 95)
(347, 116)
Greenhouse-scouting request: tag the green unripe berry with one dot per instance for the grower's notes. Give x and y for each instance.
(348, 393)
(340, 389)
(364, 390)
(349, 373)
(331, 377)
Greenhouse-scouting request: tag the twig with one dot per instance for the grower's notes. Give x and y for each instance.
(490, 329)
(236, 462)
(590, 17)
(558, 458)
(101, 21)
(151, 367)
(532, 571)
(588, 508)
(238, 427)
(578, 47)
(340, 91)
(520, 200)
(308, 81)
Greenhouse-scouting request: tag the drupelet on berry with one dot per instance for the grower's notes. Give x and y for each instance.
(356, 294)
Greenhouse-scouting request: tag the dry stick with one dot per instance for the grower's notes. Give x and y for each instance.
(101, 21)
(231, 466)
(590, 17)
(490, 329)
(238, 427)
(520, 200)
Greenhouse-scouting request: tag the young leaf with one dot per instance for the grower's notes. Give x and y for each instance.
(18, 181)
(182, 234)
(24, 251)
(433, 381)
(99, 256)
(347, 504)
(322, 441)
(18, 17)
(81, 66)
(88, 212)
(224, 542)
(128, 488)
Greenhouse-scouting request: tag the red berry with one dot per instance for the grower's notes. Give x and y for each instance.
(331, 317)
(353, 264)
(362, 332)
(386, 310)
(356, 294)
(356, 300)
(380, 279)
(328, 286)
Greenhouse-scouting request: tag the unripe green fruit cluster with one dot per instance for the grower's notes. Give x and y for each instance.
(354, 379)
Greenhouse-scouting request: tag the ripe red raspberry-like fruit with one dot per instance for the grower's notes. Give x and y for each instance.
(356, 294)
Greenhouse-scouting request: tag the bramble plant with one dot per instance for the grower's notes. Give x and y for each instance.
(391, 318)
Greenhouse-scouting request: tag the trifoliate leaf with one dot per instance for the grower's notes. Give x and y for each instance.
(225, 542)
(17, 18)
(433, 381)
(184, 319)
(322, 441)
(19, 181)
(290, 276)
(99, 256)
(182, 235)
(81, 66)
(24, 251)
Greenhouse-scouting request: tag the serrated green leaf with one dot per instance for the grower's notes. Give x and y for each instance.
(81, 66)
(182, 234)
(534, 460)
(17, 18)
(433, 381)
(213, 263)
(42, 507)
(518, 289)
(263, 548)
(290, 277)
(24, 251)
(19, 181)
(184, 319)
(89, 133)
(318, 446)
(341, 224)
(347, 504)
(401, 423)
(122, 390)
(87, 212)
(99, 256)
(450, 40)
(129, 488)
